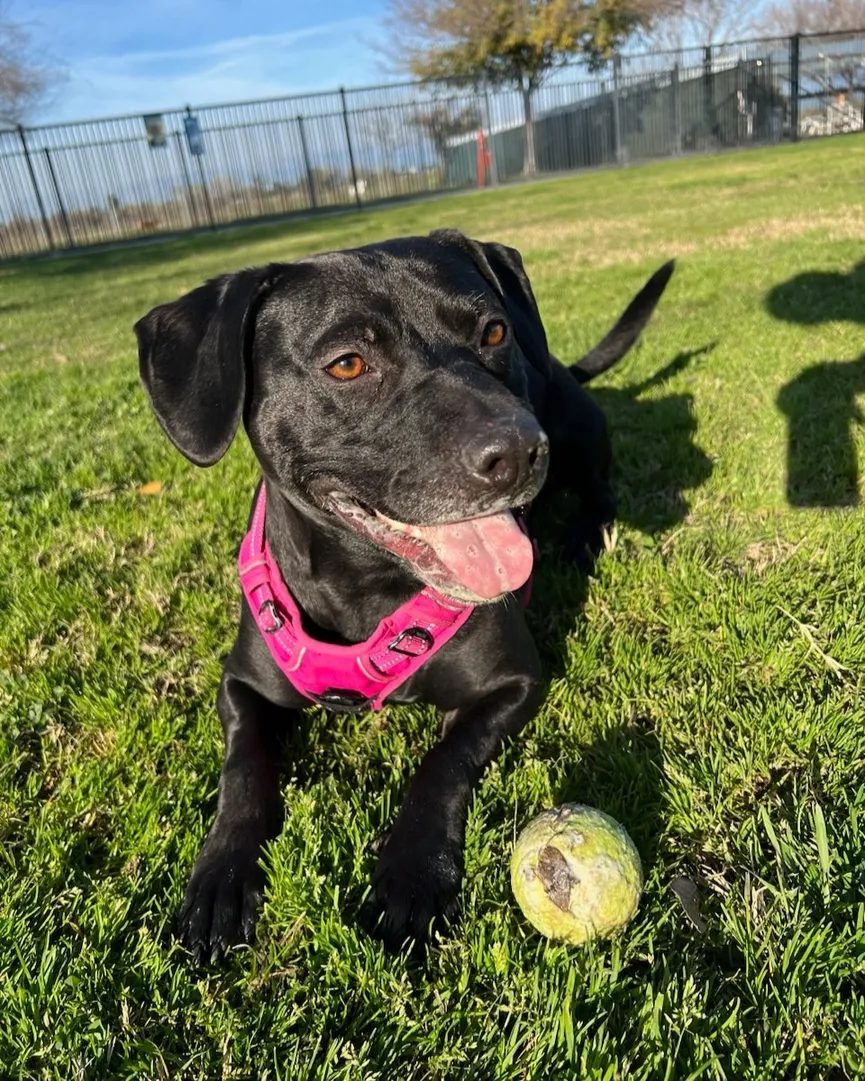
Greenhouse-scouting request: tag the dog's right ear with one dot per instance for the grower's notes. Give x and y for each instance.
(192, 356)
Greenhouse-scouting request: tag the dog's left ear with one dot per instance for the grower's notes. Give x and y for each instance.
(192, 356)
(503, 269)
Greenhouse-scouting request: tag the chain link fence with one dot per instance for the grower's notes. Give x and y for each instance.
(74, 185)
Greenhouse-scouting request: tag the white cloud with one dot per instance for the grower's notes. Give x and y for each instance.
(233, 69)
(244, 45)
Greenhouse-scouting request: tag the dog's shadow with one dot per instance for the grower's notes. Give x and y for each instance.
(655, 456)
(820, 403)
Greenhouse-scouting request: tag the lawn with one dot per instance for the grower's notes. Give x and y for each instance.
(706, 693)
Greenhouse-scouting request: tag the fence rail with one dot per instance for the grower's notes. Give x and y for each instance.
(64, 186)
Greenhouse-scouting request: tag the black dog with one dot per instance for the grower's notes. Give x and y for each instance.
(405, 382)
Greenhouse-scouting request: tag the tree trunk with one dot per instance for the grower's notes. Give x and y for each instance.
(531, 165)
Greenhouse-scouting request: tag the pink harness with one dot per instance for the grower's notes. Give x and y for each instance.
(344, 678)
(352, 677)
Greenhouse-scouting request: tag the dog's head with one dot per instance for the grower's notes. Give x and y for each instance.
(385, 387)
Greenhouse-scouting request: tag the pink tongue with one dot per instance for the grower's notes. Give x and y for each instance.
(488, 556)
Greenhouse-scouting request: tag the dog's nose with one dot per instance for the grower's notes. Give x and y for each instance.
(505, 457)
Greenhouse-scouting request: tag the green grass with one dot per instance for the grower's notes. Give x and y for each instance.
(707, 695)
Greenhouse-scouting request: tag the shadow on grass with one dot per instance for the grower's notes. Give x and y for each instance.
(821, 410)
(818, 296)
(621, 773)
(820, 403)
(655, 456)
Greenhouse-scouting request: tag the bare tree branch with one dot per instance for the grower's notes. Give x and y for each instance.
(702, 22)
(25, 77)
(442, 122)
(786, 17)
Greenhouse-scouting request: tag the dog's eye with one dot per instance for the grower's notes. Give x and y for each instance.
(494, 333)
(348, 367)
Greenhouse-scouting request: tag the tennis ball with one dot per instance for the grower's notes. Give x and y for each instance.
(576, 874)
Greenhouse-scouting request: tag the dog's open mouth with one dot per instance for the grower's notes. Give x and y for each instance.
(475, 559)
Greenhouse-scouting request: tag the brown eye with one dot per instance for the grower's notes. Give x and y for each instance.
(348, 367)
(494, 333)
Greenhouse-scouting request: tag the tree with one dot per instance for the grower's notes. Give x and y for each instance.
(703, 22)
(382, 133)
(509, 42)
(444, 121)
(24, 77)
(787, 17)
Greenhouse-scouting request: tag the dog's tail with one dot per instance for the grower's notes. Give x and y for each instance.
(627, 329)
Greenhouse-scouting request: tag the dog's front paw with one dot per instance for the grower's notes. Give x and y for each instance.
(222, 900)
(415, 888)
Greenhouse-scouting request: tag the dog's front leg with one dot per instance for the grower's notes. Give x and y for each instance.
(226, 887)
(417, 880)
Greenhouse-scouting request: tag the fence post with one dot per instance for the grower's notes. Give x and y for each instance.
(48, 234)
(193, 209)
(348, 144)
(617, 120)
(708, 92)
(491, 145)
(677, 109)
(200, 166)
(795, 43)
(208, 205)
(310, 180)
(56, 186)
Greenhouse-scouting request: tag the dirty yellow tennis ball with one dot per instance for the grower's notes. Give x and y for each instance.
(576, 874)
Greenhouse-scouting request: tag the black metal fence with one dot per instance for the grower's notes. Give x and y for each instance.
(78, 184)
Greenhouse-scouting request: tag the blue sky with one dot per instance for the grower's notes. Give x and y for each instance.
(131, 57)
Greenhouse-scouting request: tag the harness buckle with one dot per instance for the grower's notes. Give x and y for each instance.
(270, 606)
(341, 700)
(424, 637)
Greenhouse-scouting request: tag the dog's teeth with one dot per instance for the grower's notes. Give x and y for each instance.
(399, 527)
